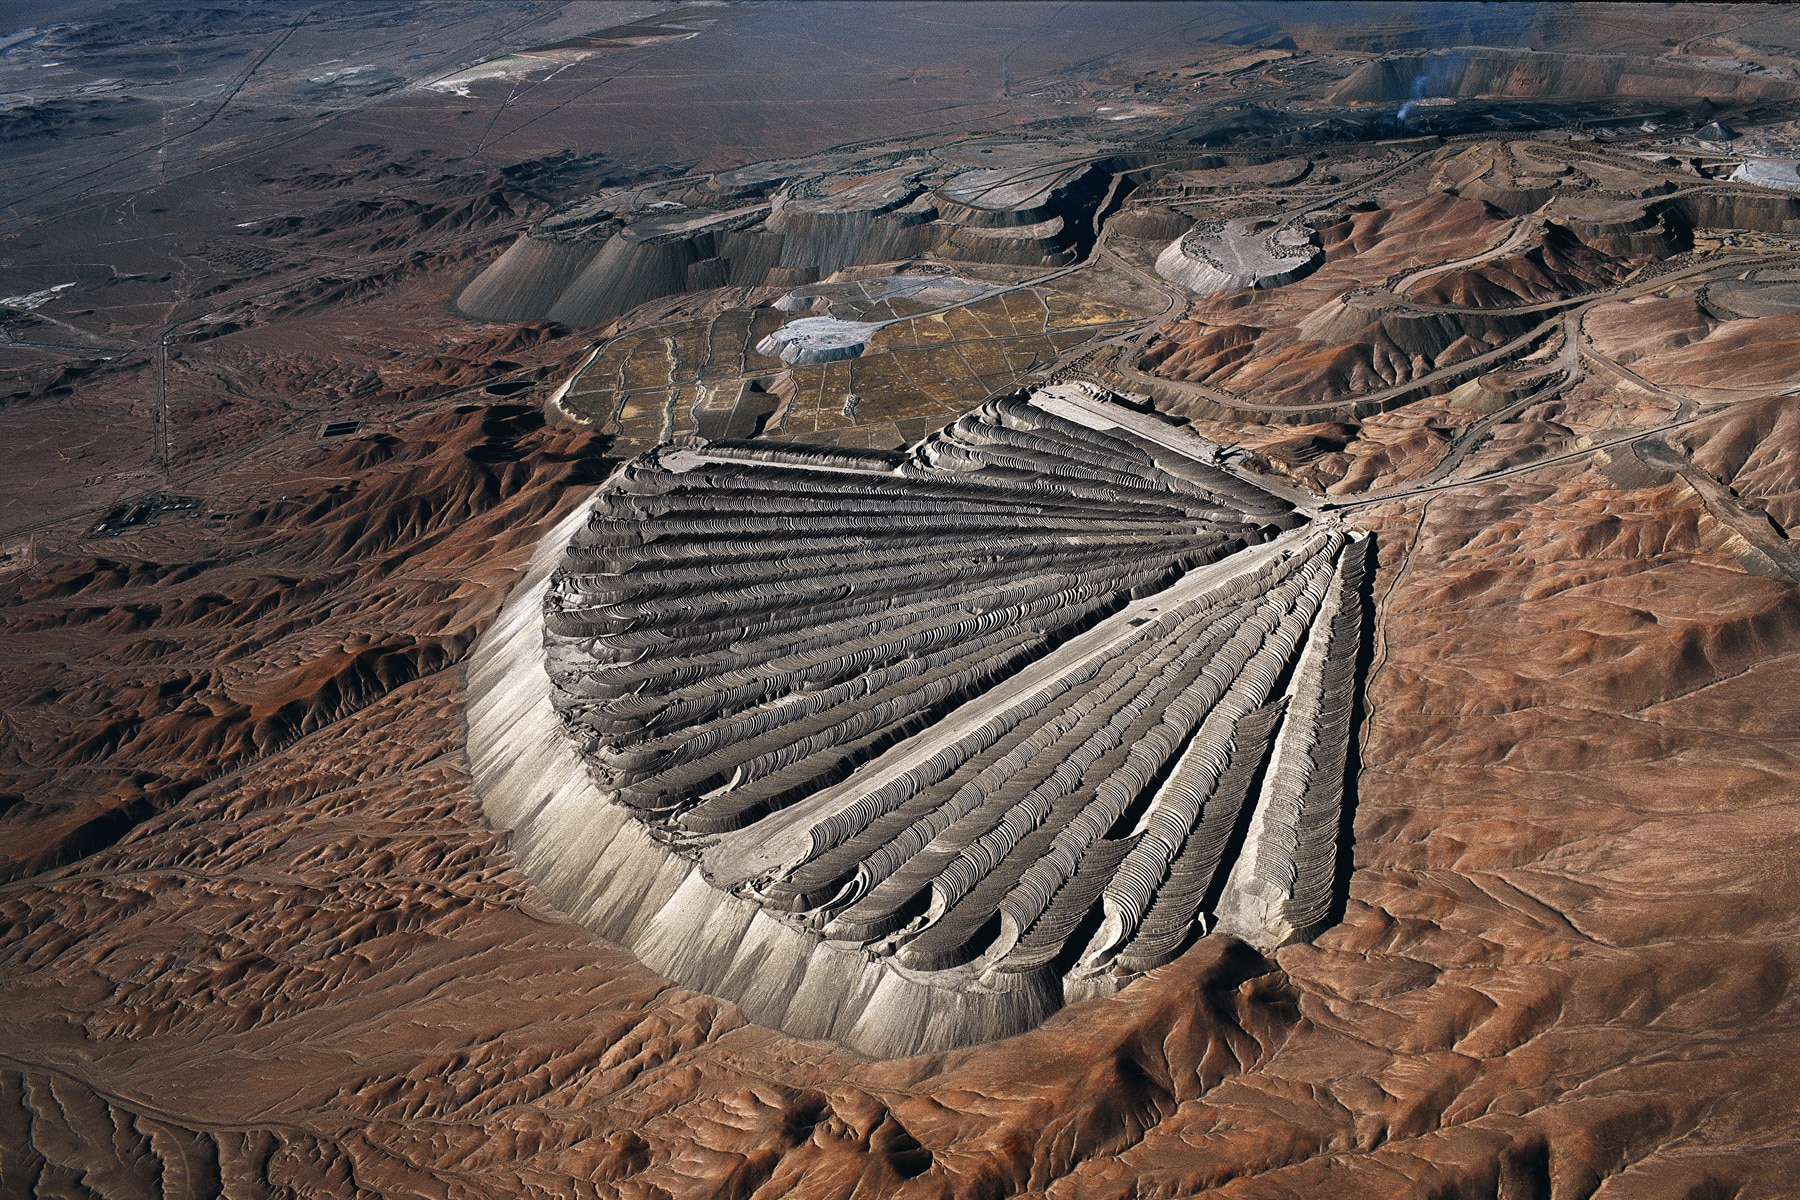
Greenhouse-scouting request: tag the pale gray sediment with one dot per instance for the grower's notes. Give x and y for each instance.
(1244, 252)
(908, 750)
(1280, 889)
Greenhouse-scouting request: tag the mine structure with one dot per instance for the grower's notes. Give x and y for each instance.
(909, 750)
(813, 601)
(999, 201)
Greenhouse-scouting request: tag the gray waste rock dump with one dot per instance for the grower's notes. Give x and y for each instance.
(908, 750)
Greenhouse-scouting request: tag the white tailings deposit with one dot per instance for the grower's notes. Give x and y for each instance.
(818, 340)
(856, 297)
(1783, 173)
(908, 750)
(1245, 252)
(31, 300)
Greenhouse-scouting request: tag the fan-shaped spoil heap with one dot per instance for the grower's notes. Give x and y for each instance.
(910, 750)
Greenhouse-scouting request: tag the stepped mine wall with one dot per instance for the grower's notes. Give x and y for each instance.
(1719, 208)
(1535, 75)
(1656, 229)
(582, 283)
(1049, 244)
(829, 240)
(1073, 200)
(575, 272)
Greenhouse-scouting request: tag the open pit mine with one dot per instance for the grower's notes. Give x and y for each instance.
(949, 602)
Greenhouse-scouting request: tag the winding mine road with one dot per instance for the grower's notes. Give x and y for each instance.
(1454, 371)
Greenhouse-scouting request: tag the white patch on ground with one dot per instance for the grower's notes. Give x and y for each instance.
(507, 66)
(1131, 112)
(339, 75)
(817, 340)
(855, 296)
(34, 299)
(1783, 173)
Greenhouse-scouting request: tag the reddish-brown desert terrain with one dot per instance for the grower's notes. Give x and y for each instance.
(1458, 345)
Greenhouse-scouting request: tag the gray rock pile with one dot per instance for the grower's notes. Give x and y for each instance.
(1245, 252)
(1003, 201)
(909, 750)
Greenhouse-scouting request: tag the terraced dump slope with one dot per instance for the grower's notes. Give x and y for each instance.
(909, 750)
